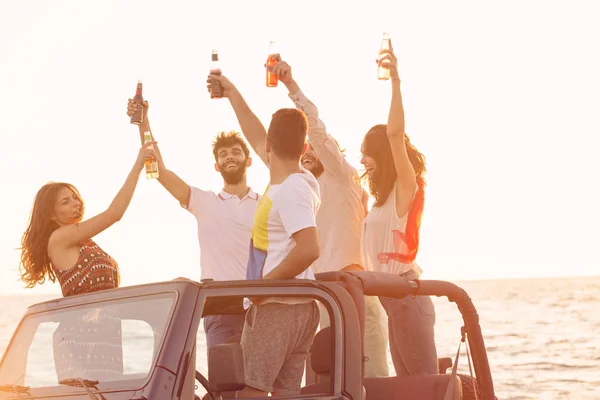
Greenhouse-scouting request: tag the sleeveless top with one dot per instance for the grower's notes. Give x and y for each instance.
(89, 346)
(94, 270)
(385, 245)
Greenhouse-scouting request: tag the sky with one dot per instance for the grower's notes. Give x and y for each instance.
(501, 97)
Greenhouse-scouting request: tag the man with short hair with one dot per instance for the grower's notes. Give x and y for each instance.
(279, 331)
(224, 220)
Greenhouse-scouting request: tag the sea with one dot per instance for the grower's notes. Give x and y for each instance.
(542, 335)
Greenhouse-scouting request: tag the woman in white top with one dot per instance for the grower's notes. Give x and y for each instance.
(390, 232)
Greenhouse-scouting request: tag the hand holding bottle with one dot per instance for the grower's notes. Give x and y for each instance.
(139, 108)
(228, 89)
(137, 116)
(387, 60)
(146, 153)
(282, 70)
(133, 107)
(216, 90)
(272, 78)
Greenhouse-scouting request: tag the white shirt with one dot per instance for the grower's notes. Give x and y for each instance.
(342, 211)
(283, 210)
(377, 237)
(224, 228)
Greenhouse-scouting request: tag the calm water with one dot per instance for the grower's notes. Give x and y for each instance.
(542, 336)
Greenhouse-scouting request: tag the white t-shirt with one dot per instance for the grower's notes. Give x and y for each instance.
(224, 228)
(283, 210)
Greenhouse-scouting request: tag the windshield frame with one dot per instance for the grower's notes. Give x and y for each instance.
(42, 312)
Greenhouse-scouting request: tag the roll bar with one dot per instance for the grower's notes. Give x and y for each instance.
(396, 286)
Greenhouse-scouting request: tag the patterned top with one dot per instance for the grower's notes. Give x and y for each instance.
(94, 271)
(89, 346)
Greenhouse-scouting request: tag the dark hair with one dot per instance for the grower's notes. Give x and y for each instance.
(377, 145)
(229, 139)
(287, 133)
(35, 263)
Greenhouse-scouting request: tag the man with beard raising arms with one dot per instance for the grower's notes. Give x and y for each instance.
(344, 205)
(225, 220)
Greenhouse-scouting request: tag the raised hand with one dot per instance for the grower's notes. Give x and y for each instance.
(387, 59)
(228, 87)
(132, 107)
(146, 153)
(282, 70)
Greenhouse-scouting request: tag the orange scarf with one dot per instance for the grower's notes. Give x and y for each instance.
(411, 236)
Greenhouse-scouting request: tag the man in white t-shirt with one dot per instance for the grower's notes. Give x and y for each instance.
(279, 331)
(224, 220)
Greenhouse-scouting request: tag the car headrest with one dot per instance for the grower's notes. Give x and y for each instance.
(321, 352)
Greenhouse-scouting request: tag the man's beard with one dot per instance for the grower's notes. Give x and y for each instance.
(233, 177)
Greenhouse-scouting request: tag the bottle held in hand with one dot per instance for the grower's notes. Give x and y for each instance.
(272, 79)
(151, 165)
(138, 116)
(382, 72)
(216, 90)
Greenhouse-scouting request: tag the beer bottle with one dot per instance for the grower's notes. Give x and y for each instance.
(151, 165)
(382, 72)
(138, 115)
(271, 61)
(216, 90)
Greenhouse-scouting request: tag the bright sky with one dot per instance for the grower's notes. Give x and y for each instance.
(503, 98)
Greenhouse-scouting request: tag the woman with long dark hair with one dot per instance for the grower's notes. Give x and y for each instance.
(58, 245)
(395, 172)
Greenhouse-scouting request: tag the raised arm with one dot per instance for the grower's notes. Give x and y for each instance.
(406, 183)
(71, 235)
(252, 128)
(324, 144)
(170, 181)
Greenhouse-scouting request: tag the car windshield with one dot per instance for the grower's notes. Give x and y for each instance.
(111, 341)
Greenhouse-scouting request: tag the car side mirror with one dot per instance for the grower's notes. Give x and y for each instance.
(226, 371)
